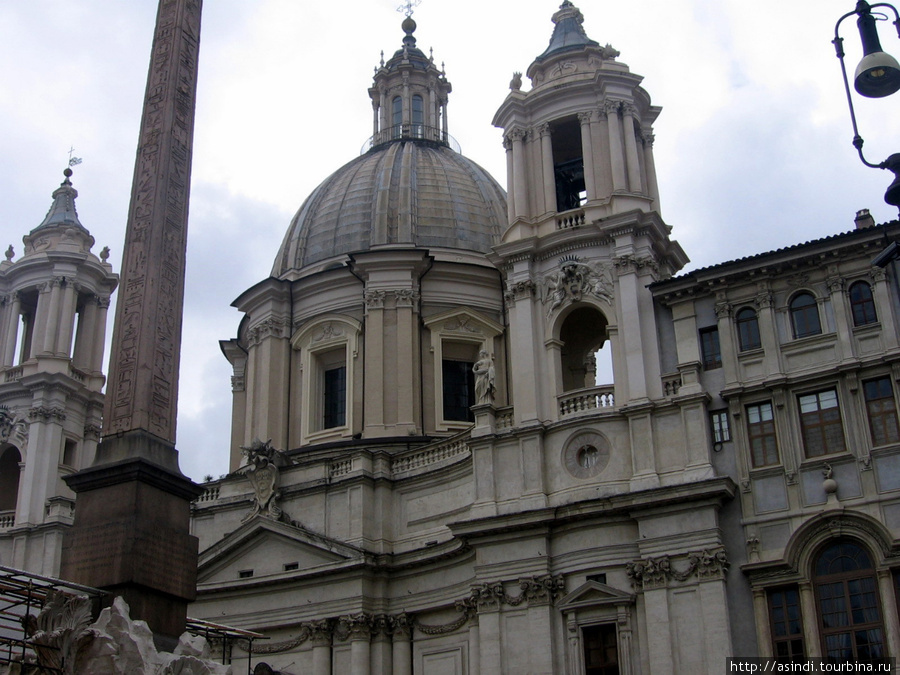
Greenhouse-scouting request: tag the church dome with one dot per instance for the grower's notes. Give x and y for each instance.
(406, 192)
(410, 189)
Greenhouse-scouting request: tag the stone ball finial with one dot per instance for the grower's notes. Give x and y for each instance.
(104, 253)
(408, 25)
(67, 172)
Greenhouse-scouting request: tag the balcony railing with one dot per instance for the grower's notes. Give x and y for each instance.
(416, 132)
(581, 400)
(7, 519)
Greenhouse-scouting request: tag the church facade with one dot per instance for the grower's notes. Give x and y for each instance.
(482, 431)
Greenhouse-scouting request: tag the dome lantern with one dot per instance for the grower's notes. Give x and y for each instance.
(409, 96)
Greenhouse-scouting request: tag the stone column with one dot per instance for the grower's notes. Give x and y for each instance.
(474, 647)
(810, 624)
(891, 623)
(38, 323)
(66, 319)
(660, 649)
(49, 336)
(768, 333)
(520, 196)
(763, 629)
(510, 182)
(407, 348)
(490, 653)
(587, 153)
(842, 319)
(650, 167)
(84, 335)
(632, 160)
(13, 320)
(131, 534)
(374, 351)
(727, 338)
(401, 642)
(616, 152)
(360, 626)
(526, 384)
(884, 306)
(96, 363)
(321, 651)
(382, 646)
(548, 172)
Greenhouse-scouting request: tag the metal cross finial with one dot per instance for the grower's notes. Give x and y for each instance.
(408, 6)
(73, 161)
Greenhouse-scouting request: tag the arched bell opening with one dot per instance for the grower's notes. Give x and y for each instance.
(586, 353)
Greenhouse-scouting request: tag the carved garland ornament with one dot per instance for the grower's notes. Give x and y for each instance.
(652, 573)
(363, 625)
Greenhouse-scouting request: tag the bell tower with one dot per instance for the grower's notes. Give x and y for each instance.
(585, 237)
(579, 143)
(53, 306)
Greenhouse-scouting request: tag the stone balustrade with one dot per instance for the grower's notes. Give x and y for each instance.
(586, 400)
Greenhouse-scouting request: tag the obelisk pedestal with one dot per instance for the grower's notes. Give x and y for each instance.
(131, 533)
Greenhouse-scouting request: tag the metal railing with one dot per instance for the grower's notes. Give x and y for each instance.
(415, 132)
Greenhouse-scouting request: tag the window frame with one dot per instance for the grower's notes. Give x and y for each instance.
(450, 331)
(802, 315)
(852, 627)
(790, 638)
(881, 437)
(323, 344)
(812, 421)
(748, 327)
(710, 348)
(862, 309)
(720, 425)
(762, 429)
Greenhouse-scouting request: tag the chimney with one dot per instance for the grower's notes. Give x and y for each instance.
(864, 219)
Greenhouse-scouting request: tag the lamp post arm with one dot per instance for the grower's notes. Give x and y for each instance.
(838, 43)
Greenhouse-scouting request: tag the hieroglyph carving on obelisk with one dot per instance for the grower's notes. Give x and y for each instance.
(143, 381)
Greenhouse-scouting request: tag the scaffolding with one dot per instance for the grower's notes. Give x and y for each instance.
(23, 595)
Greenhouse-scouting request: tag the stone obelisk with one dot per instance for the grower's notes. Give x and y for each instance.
(131, 533)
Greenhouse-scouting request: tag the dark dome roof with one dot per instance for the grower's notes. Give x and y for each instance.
(404, 192)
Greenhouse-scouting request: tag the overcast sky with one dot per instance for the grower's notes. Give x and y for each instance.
(752, 147)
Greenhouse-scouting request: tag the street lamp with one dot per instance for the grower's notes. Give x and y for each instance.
(877, 75)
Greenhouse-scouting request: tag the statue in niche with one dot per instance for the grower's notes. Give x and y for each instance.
(574, 280)
(263, 463)
(484, 378)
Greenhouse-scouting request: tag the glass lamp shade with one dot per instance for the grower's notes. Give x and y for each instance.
(877, 75)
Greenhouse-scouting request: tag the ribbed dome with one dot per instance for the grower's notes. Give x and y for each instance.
(409, 192)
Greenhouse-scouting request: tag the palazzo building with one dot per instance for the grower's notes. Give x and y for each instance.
(431, 474)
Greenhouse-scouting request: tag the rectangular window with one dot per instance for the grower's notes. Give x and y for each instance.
(882, 410)
(761, 434)
(459, 390)
(786, 624)
(820, 423)
(721, 430)
(335, 393)
(601, 653)
(709, 348)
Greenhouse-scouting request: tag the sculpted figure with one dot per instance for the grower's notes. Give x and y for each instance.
(484, 378)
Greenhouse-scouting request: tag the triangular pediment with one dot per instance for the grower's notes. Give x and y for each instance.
(265, 547)
(594, 594)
